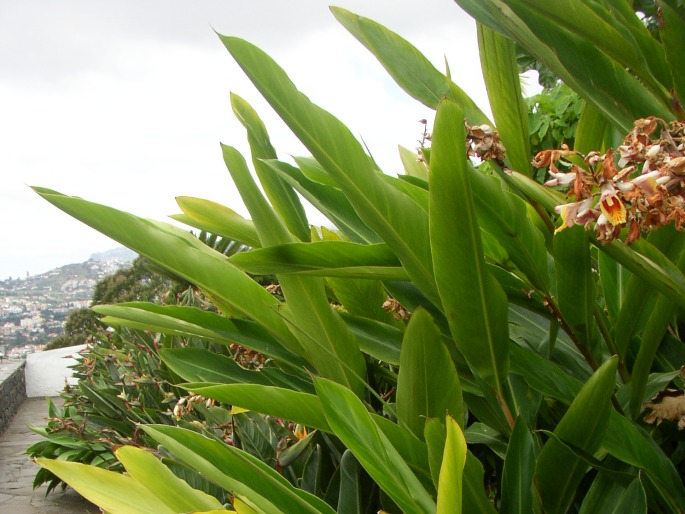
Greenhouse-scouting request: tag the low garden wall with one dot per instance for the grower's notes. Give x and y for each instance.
(12, 390)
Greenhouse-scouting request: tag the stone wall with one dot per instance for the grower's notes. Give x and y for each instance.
(12, 390)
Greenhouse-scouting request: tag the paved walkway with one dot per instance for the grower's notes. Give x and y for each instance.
(17, 495)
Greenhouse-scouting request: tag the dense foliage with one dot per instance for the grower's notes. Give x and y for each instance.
(455, 344)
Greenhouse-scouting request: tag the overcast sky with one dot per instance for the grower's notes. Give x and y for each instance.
(125, 102)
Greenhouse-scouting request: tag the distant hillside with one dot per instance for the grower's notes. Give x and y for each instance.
(121, 253)
(32, 309)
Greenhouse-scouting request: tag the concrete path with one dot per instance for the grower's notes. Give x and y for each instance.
(17, 495)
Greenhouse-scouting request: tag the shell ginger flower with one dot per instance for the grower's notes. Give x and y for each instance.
(643, 191)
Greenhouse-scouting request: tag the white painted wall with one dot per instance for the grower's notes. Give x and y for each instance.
(47, 371)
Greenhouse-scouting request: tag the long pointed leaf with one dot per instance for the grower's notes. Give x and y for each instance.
(474, 303)
(427, 385)
(350, 421)
(407, 66)
(391, 214)
(498, 62)
(583, 426)
(185, 256)
(246, 476)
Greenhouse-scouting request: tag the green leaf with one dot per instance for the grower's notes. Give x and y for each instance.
(349, 499)
(578, 61)
(193, 322)
(325, 340)
(149, 471)
(185, 256)
(245, 476)
(653, 333)
(302, 408)
(407, 66)
(500, 71)
(632, 445)
(583, 426)
(475, 498)
(200, 365)
(591, 130)
(352, 423)
(452, 470)
(114, 492)
(672, 33)
(216, 219)
(388, 212)
(329, 200)
(381, 341)
(284, 200)
(427, 384)
(474, 303)
(324, 258)
(575, 286)
(606, 495)
(503, 215)
(518, 472)
(412, 166)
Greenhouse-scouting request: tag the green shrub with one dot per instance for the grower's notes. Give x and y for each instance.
(514, 377)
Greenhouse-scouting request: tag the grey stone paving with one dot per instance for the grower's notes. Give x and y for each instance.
(17, 495)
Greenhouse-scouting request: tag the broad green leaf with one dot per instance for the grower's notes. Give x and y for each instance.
(389, 213)
(596, 76)
(149, 471)
(216, 219)
(435, 437)
(596, 26)
(329, 200)
(249, 479)
(427, 384)
(352, 423)
(324, 258)
(349, 498)
(672, 33)
(653, 333)
(380, 340)
(650, 265)
(614, 279)
(631, 444)
(475, 498)
(518, 472)
(543, 375)
(452, 470)
(306, 409)
(200, 365)
(583, 426)
(407, 66)
(115, 492)
(361, 297)
(412, 166)
(325, 340)
(575, 286)
(193, 322)
(500, 71)
(284, 200)
(184, 255)
(663, 247)
(591, 130)
(608, 496)
(474, 303)
(480, 433)
(503, 215)
(302, 408)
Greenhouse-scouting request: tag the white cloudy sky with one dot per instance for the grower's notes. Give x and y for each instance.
(125, 102)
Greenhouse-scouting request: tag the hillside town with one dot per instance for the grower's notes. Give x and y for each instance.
(33, 309)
